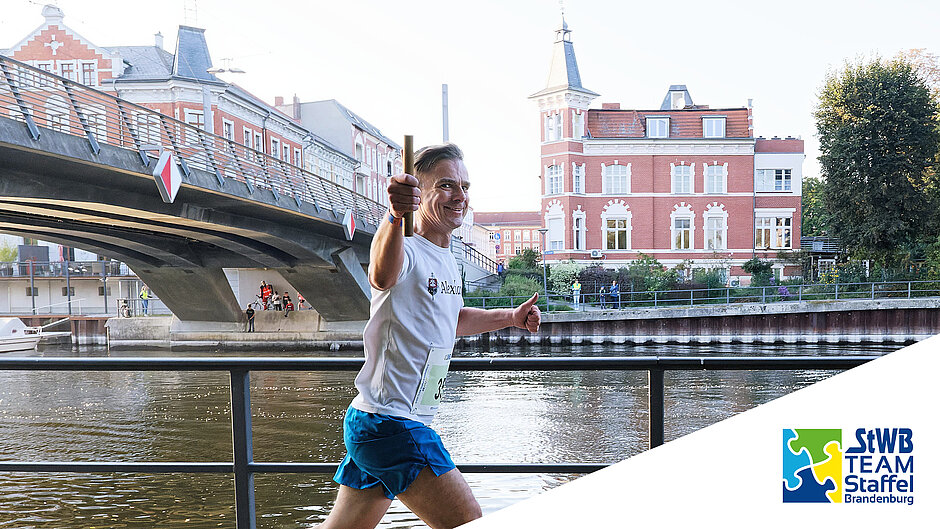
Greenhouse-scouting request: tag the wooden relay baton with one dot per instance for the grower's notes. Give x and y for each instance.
(408, 153)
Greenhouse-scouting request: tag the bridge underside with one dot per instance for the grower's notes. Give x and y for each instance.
(109, 204)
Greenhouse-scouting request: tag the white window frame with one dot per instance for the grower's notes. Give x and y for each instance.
(682, 212)
(675, 176)
(57, 114)
(276, 148)
(579, 229)
(578, 125)
(783, 229)
(246, 136)
(657, 127)
(716, 174)
(559, 126)
(74, 70)
(713, 127)
(616, 181)
(193, 118)
(555, 222)
(716, 229)
(783, 180)
(763, 231)
(677, 231)
(617, 213)
(554, 179)
(550, 127)
(577, 177)
(228, 129)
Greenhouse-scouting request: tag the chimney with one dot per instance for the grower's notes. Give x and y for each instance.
(610, 106)
(296, 107)
(158, 40)
(278, 101)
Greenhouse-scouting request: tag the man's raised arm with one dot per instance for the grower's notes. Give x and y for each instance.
(387, 252)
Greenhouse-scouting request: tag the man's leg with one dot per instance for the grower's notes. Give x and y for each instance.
(357, 508)
(443, 501)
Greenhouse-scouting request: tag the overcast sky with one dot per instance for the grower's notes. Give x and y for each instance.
(387, 60)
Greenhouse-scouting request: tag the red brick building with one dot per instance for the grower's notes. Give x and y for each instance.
(178, 84)
(682, 182)
(510, 232)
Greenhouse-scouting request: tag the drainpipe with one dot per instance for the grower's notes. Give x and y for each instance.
(264, 132)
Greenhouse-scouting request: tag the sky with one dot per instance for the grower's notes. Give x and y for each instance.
(387, 60)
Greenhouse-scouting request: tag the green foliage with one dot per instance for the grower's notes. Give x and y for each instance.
(8, 252)
(714, 278)
(814, 221)
(761, 271)
(647, 274)
(527, 260)
(932, 264)
(595, 276)
(879, 136)
(517, 285)
(563, 275)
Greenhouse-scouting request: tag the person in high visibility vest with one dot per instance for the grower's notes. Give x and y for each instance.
(144, 299)
(576, 293)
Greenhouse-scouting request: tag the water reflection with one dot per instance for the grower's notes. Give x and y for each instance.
(536, 416)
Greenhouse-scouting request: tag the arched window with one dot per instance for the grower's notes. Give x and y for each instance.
(555, 222)
(682, 226)
(578, 229)
(716, 227)
(617, 221)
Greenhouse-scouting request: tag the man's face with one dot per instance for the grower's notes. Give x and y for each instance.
(444, 197)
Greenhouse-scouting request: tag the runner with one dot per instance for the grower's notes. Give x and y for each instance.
(417, 312)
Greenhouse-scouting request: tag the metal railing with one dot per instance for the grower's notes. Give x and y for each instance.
(42, 99)
(725, 295)
(244, 466)
(464, 252)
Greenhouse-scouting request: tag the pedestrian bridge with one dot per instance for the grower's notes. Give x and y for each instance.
(76, 169)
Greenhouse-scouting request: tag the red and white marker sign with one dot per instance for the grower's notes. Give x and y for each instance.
(349, 224)
(168, 177)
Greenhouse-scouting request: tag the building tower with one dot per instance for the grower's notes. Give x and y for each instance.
(563, 107)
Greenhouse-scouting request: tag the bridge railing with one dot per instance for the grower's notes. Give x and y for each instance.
(41, 99)
(244, 467)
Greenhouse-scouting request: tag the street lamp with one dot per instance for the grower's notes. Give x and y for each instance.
(543, 231)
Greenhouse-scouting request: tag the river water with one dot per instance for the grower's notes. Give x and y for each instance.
(487, 417)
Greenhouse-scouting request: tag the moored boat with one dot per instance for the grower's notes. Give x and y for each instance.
(16, 336)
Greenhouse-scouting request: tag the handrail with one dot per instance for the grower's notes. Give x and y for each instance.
(735, 295)
(473, 255)
(244, 467)
(37, 97)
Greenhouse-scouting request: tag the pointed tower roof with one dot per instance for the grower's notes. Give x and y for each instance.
(563, 73)
(192, 55)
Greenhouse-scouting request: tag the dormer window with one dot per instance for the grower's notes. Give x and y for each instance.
(713, 127)
(657, 127)
(678, 100)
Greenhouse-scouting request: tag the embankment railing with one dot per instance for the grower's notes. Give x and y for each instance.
(244, 467)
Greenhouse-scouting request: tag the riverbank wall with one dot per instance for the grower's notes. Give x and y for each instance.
(853, 321)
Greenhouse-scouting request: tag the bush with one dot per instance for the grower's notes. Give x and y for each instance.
(761, 271)
(563, 275)
(529, 259)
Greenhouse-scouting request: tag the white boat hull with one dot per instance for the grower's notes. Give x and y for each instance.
(19, 343)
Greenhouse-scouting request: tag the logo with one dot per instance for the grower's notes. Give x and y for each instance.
(432, 285)
(878, 467)
(812, 466)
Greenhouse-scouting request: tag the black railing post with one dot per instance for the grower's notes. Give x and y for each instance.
(242, 450)
(657, 407)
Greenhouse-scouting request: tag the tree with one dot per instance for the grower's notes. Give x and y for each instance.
(877, 125)
(813, 221)
(761, 271)
(527, 260)
(563, 276)
(8, 252)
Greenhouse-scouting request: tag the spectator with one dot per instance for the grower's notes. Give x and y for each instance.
(576, 293)
(615, 294)
(250, 313)
(276, 300)
(287, 303)
(144, 299)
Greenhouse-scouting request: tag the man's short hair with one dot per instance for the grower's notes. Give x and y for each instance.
(428, 157)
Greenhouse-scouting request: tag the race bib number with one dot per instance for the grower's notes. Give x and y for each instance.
(431, 388)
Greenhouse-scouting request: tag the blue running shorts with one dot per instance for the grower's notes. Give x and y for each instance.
(387, 450)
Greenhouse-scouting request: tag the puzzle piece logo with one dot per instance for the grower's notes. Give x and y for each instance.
(812, 465)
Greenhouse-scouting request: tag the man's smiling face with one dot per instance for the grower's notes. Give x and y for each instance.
(444, 198)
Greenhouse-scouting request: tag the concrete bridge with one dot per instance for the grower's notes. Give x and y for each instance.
(86, 181)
